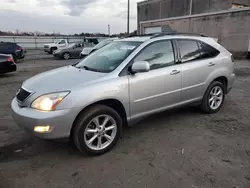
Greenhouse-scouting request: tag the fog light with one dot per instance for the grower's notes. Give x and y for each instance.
(42, 129)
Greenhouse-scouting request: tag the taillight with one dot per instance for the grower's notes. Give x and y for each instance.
(232, 58)
(10, 60)
(19, 49)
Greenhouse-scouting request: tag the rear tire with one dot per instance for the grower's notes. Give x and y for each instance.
(66, 55)
(90, 129)
(214, 98)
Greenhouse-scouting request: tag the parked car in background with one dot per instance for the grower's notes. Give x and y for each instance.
(71, 51)
(15, 50)
(7, 64)
(87, 50)
(91, 101)
(61, 43)
(58, 43)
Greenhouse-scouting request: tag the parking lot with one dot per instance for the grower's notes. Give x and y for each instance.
(181, 148)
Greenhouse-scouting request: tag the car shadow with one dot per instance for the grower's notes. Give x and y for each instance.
(32, 147)
(7, 75)
(160, 120)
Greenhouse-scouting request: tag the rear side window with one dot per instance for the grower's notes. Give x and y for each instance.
(189, 50)
(207, 51)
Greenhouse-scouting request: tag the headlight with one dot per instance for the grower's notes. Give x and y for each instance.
(49, 102)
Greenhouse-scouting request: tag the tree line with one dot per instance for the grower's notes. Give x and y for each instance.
(37, 33)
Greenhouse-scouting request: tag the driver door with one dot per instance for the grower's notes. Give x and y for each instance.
(160, 87)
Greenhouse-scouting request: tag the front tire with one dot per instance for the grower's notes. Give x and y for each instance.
(214, 98)
(97, 130)
(52, 50)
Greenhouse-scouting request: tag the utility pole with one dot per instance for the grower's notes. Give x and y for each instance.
(109, 30)
(190, 7)
(128, 17)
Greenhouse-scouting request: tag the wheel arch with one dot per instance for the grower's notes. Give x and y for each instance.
(112, 103)
(221, 75)
(223, 80)
(52, 47)
(67, 53)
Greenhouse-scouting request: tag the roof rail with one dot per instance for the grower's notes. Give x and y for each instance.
(143, 35)
(176, 33)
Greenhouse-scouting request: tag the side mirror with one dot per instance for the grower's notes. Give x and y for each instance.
(140, 66)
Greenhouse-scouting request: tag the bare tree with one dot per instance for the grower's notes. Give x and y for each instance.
(17, 32)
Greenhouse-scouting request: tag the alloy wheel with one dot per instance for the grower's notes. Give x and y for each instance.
(215, 97)
(100, 132)
(66, 56)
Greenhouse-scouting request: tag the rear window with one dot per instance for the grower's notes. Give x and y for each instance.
(189, 50)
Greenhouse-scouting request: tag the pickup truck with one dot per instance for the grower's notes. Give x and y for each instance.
(62, 43)
(58, 43)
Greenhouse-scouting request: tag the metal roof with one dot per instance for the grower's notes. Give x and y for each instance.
(198, 15)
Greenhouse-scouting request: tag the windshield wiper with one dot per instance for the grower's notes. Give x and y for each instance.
(90, 69)
(86, 68)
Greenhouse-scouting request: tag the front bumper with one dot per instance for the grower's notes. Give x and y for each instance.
(46, 49)
(61, 121)
(20, 54)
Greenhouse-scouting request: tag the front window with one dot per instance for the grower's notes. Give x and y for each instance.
(56, 41)
(158, 55)
(109, 57)
(62, 42)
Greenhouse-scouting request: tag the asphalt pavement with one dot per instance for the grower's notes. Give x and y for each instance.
(180, 148)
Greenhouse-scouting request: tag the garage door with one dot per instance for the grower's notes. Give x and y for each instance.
(149, 30)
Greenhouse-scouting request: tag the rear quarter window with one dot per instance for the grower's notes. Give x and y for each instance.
(207, 51)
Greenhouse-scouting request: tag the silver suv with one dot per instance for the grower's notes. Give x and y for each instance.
(91, 101)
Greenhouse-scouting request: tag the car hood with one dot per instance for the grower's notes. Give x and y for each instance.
(60, 79)
(48, 44)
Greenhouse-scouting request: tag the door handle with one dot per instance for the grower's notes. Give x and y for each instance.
(174, 72)
(211, 64)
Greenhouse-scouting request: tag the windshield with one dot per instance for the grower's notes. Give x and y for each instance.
(103, 43)
(57, 40)
(109, 57)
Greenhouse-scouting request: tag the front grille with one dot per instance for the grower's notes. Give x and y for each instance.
(22, 94)
(46, 46)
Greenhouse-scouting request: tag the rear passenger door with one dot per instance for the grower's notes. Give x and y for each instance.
(75, 50)
(197, 60)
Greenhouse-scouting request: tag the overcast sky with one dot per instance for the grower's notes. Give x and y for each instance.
(66, 16)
